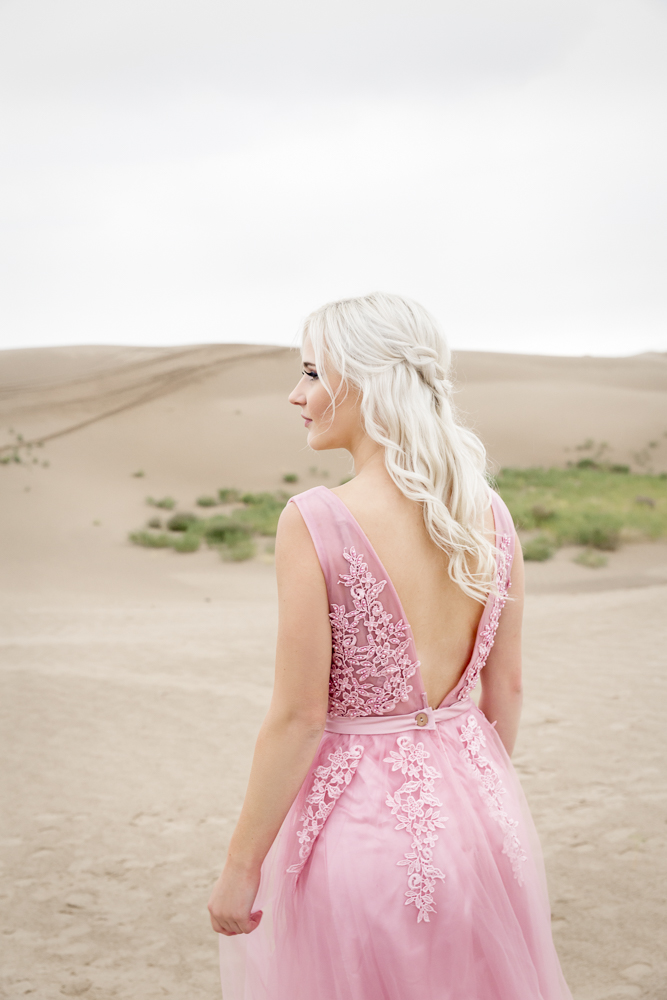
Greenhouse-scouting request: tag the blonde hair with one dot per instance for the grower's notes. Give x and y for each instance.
(392, 351)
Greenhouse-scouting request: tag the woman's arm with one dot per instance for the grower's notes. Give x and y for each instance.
(292, 729)
(501, 677)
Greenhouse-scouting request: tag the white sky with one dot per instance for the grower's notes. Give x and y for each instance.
(185, 171)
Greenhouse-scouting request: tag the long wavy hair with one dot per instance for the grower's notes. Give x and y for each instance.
(392, 351)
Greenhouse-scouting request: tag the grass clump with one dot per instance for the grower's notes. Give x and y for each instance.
(238, 552)
(154, 522)
(592, 505)
(225, 531)
(261, 512)
(150, 540)
(290, 477)
(598, 530)
(182, 522)
(589, 557)
(166, 503)
(229, 496)
(233, 534)
(538, 549)
(207, 502)
(187, 542)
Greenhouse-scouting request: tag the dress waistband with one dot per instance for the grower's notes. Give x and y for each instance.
(426, 718)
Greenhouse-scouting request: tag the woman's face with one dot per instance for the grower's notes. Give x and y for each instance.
(326, 428)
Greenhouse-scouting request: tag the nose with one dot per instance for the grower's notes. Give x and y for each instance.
(297, 396)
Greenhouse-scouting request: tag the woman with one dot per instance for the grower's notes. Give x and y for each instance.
(384, 850)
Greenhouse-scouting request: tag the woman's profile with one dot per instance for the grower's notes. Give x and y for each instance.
(385, 850)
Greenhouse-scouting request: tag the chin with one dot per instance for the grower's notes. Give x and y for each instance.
(320, 442)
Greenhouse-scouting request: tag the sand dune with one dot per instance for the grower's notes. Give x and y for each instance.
(134, 681)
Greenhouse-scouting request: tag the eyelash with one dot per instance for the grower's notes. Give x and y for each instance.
(311, 375)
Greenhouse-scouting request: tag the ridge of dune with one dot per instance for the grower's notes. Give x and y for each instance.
(528, 409)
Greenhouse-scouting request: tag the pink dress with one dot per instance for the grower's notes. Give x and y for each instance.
(408, 867)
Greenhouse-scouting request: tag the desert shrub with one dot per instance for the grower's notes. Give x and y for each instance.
(238, 551)
(623, 469)
(257, 499)
(538, 549)
(188, 542)
(581, 496)
(181, 522)
(139, 474)
(597, 530)
(591, 558)
(261, 512)
(541, 514)
(150, 540)
(587, 463)
(226, 531)
(207, 502)
(229, 496)
(166, 503)
(154, 522)
(290, 477)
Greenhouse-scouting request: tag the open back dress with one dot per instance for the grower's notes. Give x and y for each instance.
(408, 867)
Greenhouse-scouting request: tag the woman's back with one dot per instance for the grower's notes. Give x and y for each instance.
(406, 865)
(442, 618)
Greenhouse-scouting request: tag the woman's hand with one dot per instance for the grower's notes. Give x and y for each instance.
(231, 901)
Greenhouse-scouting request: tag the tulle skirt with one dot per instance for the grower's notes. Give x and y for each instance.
(416, 874)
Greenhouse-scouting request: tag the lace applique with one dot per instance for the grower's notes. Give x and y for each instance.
(384, 657)
(419, 814)
(328, 785)
(491, 790)
(488, 633)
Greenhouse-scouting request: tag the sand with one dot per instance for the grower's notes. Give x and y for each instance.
(133, 682)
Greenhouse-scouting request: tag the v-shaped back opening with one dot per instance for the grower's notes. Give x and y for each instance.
(451, 694)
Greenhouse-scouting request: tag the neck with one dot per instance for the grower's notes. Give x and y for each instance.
(368, 457)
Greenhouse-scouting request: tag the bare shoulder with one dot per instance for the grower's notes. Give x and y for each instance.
(294, 546)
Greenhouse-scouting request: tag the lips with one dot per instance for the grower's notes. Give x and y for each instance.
(307, 421)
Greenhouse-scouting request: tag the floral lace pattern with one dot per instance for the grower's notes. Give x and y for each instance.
(491, 790)
(328, 785)
(418, 810)
(369, 679)
(488, 634)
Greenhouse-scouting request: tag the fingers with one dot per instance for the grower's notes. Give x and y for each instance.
(231, 927)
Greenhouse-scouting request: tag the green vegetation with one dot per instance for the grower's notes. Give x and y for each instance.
(538, 549)
(593, 505)
(19, 451)
(151, 540)
(233, 534)
(290, 477)
(589, 504)
(207, 502)
(166, 503)
(591, 558)
(182, 522)
(187, 542)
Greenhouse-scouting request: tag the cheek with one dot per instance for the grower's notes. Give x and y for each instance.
(318, 401)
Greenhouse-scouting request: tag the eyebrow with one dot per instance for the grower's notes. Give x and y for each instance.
(308, 364)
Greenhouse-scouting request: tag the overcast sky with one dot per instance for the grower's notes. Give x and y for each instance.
(187, 171)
